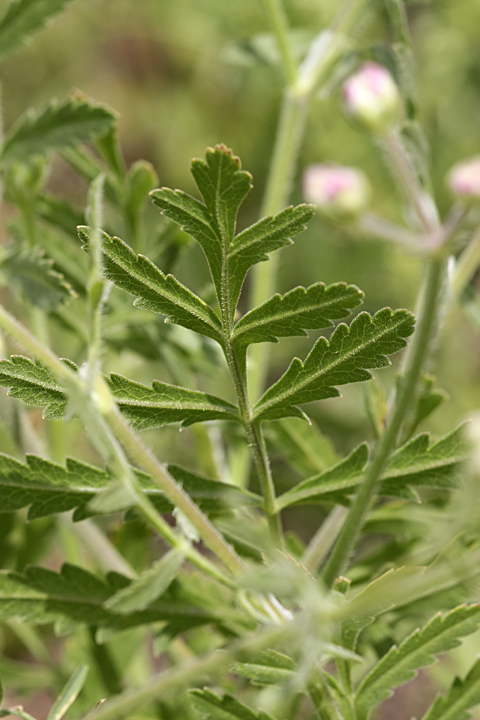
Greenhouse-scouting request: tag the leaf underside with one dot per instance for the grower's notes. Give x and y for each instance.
(345, 359)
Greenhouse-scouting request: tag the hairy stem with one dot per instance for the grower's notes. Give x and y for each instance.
(173, 679)
(351, 529)
(93, 413)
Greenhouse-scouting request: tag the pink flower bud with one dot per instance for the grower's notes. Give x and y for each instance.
(341, 193)
(371, 97)
(464, 178)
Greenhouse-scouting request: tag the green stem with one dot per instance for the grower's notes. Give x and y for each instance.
(435, 273)
(323, 540)
(279, 23)
(172, 680)
(467, 265)
(93, 415)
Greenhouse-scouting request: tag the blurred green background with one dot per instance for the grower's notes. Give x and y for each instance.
(191, 73)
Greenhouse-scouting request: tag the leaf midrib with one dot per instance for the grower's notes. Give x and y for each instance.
(278, 399)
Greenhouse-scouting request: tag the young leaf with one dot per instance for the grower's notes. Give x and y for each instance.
(32, 273)
(155, 291)
(416, 464)
(461, 697)
(213, 707)
(269, 668)
(365, 344)
(254, 244)
(299, 310)
(58, 126)
(162, 404)
(400, 663)
(150, 585)
(69, 694)
(24, 17)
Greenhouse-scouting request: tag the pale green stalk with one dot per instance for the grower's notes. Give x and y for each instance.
(467, 265)
(174, 679)
(430, 300)
(279, 24)
(109, 448)
(323, 540)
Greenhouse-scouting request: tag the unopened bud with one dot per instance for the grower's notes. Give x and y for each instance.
(340, 193)
(371, 97)
(464, 178)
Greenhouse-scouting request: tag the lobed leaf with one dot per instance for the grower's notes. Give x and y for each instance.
(415, 464)
(213, 707)
(57, 126)
(461, 697)
(145, 407)
(163, 404)
(345, 359)
(155, 291)
(297, 311)
(254, 244)
(47, 488)
(401, 663)
(24, 17)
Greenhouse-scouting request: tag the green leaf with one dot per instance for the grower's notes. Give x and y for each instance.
(29, 271)
(461, 697)
(213, 707)
(304, 446)
(194, 219)
(365, 344)
(57, 126)
(69, 694)
(163, 404)
(59, 213)
(400, 663)
(420, 464)
(269, 668)
(145, 407)
(223, 186)
(148, 587)
(24, 17)
(415, 464)
(254, 244)
(47, 488)
(155, 291)
(75, 596)
(34, 385)
(299, 310)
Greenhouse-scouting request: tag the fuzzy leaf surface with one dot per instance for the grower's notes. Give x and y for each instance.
(254, 244)
(31, 272)
(416, 464)
(461, 697)
(155, 291)
(24, 17)
(297, 311)
(57, 126)
(269, 668)
(163, 404)
(400, 663)
(47, 488)
(213, 707)
(345, 359)
(145, 407)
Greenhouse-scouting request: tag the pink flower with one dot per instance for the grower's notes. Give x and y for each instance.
(464, 178)
(371, 97)
(339, 192)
